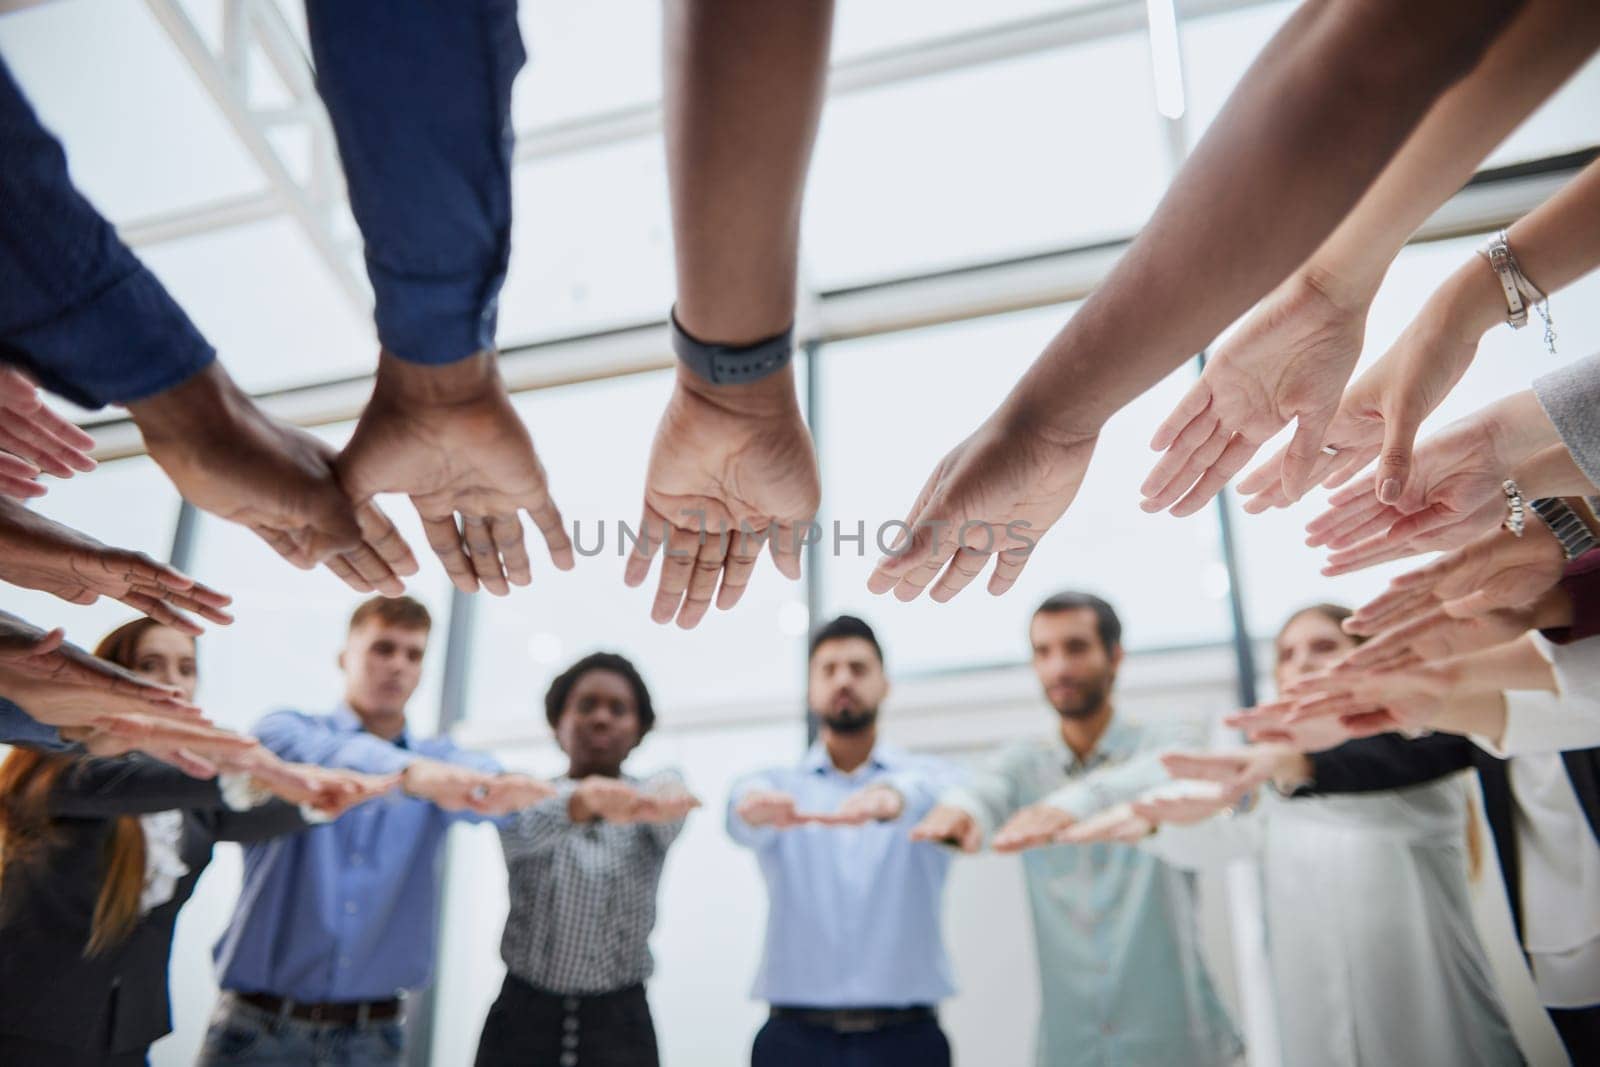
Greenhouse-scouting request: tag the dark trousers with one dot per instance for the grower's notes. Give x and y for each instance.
(22, 1052)
(530, 1027)
(1580, 1032)
(792, 1043)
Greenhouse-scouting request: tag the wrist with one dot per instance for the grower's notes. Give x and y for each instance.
(1291, 771)
(1517, 427)
(1469, 304)
(769, 397)
(192, 411)
(1347, 288)
(414, 385)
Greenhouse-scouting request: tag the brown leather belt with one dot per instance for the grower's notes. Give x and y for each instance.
(346, 1013)
(855, 1020)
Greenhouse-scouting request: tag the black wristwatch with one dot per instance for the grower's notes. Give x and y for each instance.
(729, 364)
(1571, 531)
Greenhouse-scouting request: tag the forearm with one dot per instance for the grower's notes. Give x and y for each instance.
(1553, 472)
(77, 309)
(1314, 120)
(131, 785)
(420, 101)
(1539, 50)
(1513, 665)
(744, 89)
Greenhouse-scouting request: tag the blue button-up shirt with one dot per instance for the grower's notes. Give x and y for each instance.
(853, 919)
(420, 103)
(1121, 976)
(345, 911)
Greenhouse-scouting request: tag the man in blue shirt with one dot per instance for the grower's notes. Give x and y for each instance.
(334, 925)
(854, 965)
(1122, 980)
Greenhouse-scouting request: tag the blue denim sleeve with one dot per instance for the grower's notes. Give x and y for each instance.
(420, 98)
(78, 311)
(17, 727)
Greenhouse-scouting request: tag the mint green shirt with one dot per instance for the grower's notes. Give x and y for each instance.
(1122, 981)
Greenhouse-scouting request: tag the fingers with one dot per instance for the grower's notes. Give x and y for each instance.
(1193, 405)
(383, 558)
(902, 556)
(484, 554)
(677, 567)
(547, 517)
(19, 478)
(1232, 460)
(1394, 461)
(743, 551)
(708, 565)
(506, 533)
(1191, 452)
(1304, 455)
(33, 437)
(1350, 462)
(651, 526)
(785, 547)
(1369, 553)
(964, 566)
(444, 537)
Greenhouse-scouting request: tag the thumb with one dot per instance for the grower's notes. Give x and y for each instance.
(1394, 462)
(1305, 450)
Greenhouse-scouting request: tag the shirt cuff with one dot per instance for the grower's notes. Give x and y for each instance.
(240, 791)
(434, 321)
(127, 343)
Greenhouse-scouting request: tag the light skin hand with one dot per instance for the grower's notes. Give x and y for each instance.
(446, 785)
(1453, 496)
(1288, 362)
(34, 439)
(1243, 771)
(1032, 827)
(1496, 571)
(767, 807)
(875, 803)
(449, 438)
(1118, 825)
(948, 825)
(995, 494)
(731, 466)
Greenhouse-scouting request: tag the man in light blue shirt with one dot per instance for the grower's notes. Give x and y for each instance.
(1122, 980)
(334, 925)
(854, 965)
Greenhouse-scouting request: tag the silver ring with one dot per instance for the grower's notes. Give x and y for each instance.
(1329, 450)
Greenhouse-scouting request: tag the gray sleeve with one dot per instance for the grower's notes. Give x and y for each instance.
(1571, 397)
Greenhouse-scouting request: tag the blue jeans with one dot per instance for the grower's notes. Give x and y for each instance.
(242, 1035)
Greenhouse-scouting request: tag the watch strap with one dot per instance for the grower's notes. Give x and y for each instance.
(1568, 526)
(732, 364)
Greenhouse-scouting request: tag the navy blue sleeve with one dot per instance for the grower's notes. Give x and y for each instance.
(420, 98)
(17, 727)
(78, 311)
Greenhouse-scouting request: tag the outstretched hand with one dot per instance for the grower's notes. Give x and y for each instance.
(995, 494)
(449, 438)
(731, 466)
(1289, 361)
(35, 440)
(38, 553)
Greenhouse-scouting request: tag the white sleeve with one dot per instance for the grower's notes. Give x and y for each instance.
(1544, 722)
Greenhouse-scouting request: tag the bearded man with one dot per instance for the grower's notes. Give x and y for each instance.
(854, 965)
(1120, 972)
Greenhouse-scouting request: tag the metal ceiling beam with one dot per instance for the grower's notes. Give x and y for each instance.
(1492, 200)
(225, 77)
(940, 55)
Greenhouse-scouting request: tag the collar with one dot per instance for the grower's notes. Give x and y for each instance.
(345, 720)
(1120, 739)
(884, 757)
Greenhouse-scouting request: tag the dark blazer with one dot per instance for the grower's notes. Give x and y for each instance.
(115, 1001)
(1393, 762)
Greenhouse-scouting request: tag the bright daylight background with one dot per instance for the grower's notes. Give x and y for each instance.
(979, 166)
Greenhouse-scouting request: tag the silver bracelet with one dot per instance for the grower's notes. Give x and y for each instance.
(1516, 512)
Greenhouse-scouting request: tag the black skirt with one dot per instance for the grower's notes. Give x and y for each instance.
(531, 1027)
